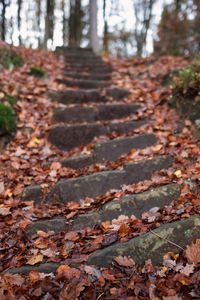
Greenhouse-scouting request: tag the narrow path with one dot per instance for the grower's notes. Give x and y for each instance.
(95, 107)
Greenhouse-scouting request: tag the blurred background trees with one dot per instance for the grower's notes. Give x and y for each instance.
(131, 27)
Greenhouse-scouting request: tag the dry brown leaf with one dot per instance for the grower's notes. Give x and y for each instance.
(65, 272)
(14, 279)
(125, 261)
(193, 253)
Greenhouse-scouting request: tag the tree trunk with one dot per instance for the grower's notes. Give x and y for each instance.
(64, 19)
(75, 23)
(19, 2)
(38, 14)
(105, 34)
(94, 40)
(49, 22)
(3, 20)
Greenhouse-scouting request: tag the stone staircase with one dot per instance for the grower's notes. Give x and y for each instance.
(96, 107)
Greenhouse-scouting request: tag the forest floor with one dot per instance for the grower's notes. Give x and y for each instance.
(30, 159)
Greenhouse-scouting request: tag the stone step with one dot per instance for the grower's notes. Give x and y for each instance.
(110, 150)
(105, 112)
(86, 63)
(88, 76)
(84, 83)
(89, 68)
(171, 237)
(134, 204)
(98, 184)
(75, 50)
(153, 245)
(67, 137)
(88, 96)
(84, 60)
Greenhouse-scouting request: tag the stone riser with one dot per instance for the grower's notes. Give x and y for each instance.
(85, 84)
(110, 151)
(88, 96)
(67, 137)
(89, 114)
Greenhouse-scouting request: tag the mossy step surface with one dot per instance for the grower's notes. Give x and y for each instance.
(110, 150)
(152, 245)
(87, 96)
(66, 137)
(128, 205)
(78, 114)
(84, 83)
(171, 237)
(97, 184)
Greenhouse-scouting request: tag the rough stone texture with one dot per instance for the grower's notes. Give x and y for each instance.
(66, 137)
(78, 162)
(87, 96)
(77, 96)
(117, 93)
(94, 76)
(75, 114)
(143, 169)
(99, 183)
(91, 69)
(149, 245)
(56, 224)
(91, 114)
(43, 268)
(135, 204)
(110, 150)
(84, 83)
(86, 186)
(33, 193)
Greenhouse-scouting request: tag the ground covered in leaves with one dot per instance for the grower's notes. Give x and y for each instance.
(25, 161)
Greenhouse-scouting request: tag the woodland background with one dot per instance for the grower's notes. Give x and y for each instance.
(163, 27)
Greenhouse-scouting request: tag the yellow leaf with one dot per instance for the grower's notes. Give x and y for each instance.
(35, 259)
(178, 174)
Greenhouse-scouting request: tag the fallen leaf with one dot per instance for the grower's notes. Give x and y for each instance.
(123, 230)
(2, 188)
(188, 269)
(125, 261)
(14, 279)
(35, 259)
(67, 273)
(5, 211)
(178, 174)
(193, 253)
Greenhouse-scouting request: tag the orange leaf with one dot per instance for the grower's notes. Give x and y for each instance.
(124, 230)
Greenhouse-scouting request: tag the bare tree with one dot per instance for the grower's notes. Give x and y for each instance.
(3, 20)
(49, 21)
(75, 23)
(105, 33)
(19, 2)
(64, 22)
(143, 15)
(38, 16)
